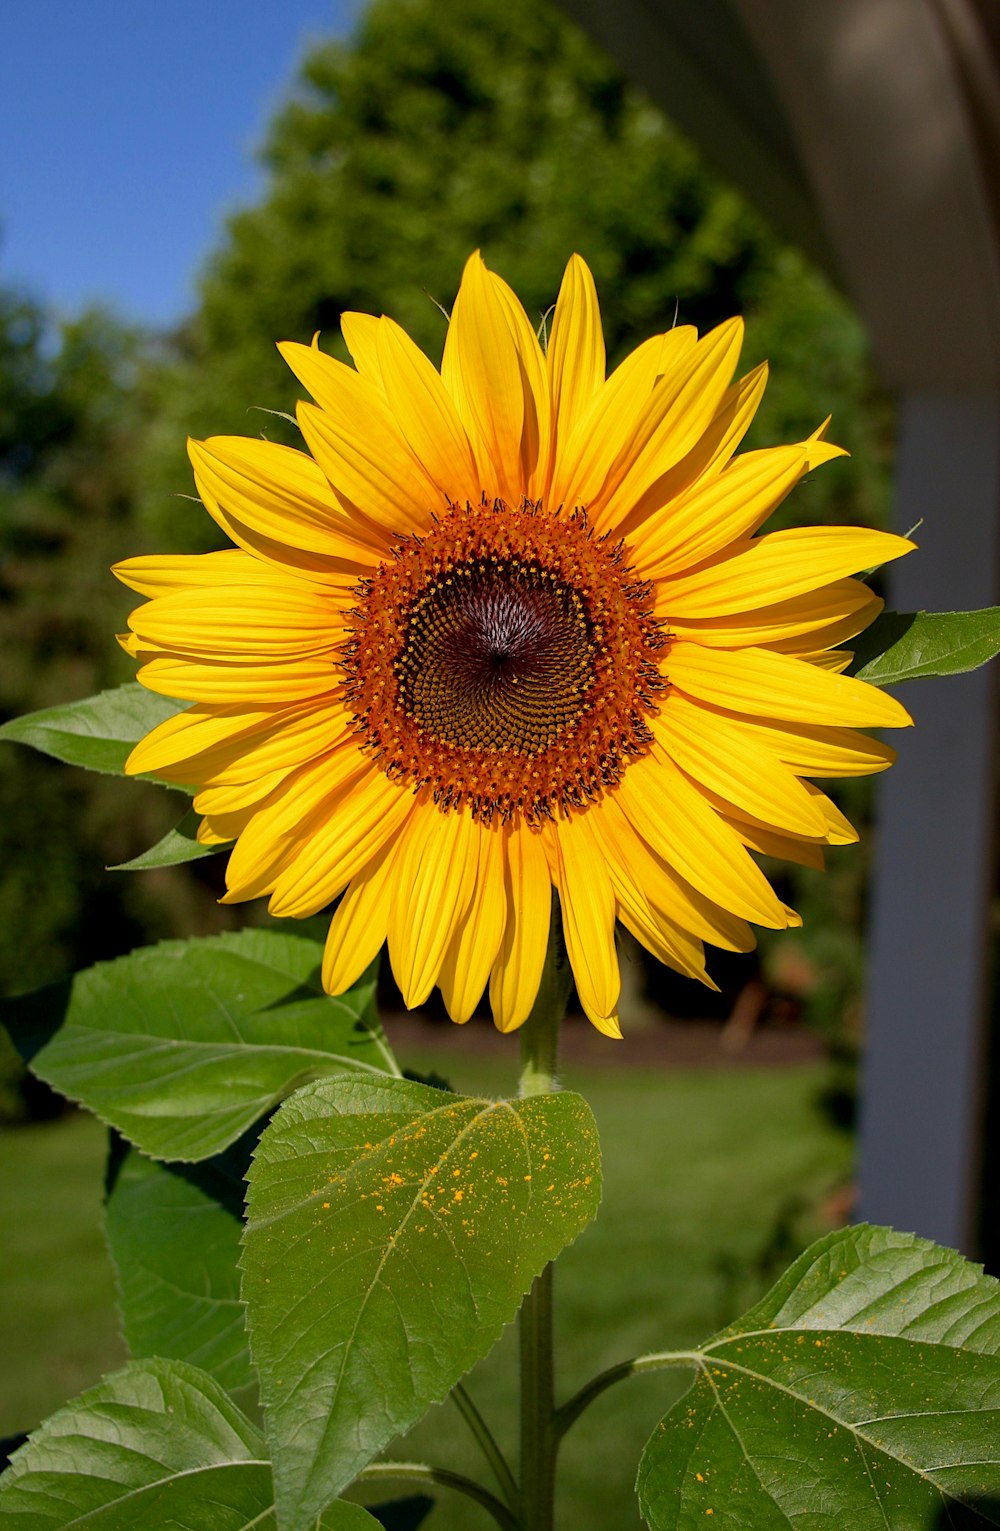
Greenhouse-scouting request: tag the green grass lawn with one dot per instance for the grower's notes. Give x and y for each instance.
(713, 1180)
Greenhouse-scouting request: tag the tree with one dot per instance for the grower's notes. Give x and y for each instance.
(450, 124)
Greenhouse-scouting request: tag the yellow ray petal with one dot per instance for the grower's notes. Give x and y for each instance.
(365, 813)
(483, 371)
(686, 531)
(603, 441)
(368, 464)
(682, 827)
(709, 455)
(807, 853)
(276, 834)
(778, 567)
(669, 944)
(360, 922)
(188, 735)
(803, 624)
(269, 619)
(283, 496)
(814, 750)
(587, 901)
(839, 829)
(679, 412)
(163, 573)
(517, 971)
(202, 680)
(536, 434)
(435, 881)
(218, 802)
(766, 684)
(425, 414)
(474, 946)
(665, 891)
(575, 359)
(360, 332)
(735, 766)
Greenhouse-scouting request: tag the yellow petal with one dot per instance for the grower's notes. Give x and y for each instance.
(777, 568)
(766, 684)
(219, 802)
(360, 922)
(587, 902)
(283, 496)
(536, 433)
(712, 515)
(667, 894)
(812, 750)
(839, 830)
(682, 827)
(425, 414)
(680, 410)
(474, 946)
(483, 371)
(517, 971)
(807, 853)
(366, 811)
(803, 624)
(360, 332)
(276, 834)
(709, 455)
(163, 573)
(604, 440)
(238, 742)
(204, 680)
(243, 622)
(434, 885)
(735, 766)
(575, 359)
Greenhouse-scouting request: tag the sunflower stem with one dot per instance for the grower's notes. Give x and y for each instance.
(539, 1442)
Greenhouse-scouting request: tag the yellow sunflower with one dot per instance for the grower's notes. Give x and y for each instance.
(506, 628)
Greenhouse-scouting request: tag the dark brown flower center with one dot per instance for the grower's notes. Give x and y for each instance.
(507, 660)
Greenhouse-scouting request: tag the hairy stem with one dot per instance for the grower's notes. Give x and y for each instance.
(539, 1442)
(663, 1360)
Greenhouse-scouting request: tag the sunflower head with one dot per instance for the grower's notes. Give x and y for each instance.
(507, 627)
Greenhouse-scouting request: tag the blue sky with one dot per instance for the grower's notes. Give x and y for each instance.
(127, 132)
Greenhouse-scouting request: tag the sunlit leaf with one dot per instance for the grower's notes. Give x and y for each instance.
(177, 845)
(392, 1232)
(157, 1445)
(862, 1392)
(97, 732)
(174, 1235)
(915, 645)
(183, 1046)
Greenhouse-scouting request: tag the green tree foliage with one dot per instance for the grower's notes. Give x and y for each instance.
(72, 410)
(446, 125)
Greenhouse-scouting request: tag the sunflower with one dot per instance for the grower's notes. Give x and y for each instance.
(506, 628)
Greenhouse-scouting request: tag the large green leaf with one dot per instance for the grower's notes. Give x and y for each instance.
(183, 1046)
(97, 732)
(174, 1234)
(177, 845)
(862, 1392)
(392, 1232)
(917, 644)
(158, 1445)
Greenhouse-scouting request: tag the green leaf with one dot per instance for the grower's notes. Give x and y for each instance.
(97, 732)
(178, 844)
(183, 1046)
(914, 645)
(863, 1392)
(174, 1234)
(158, 1445)
(392, 1231)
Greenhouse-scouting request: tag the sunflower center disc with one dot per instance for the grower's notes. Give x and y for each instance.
(508, 660)
(497, 659)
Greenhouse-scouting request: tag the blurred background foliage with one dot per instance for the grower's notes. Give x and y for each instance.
(441, 126)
